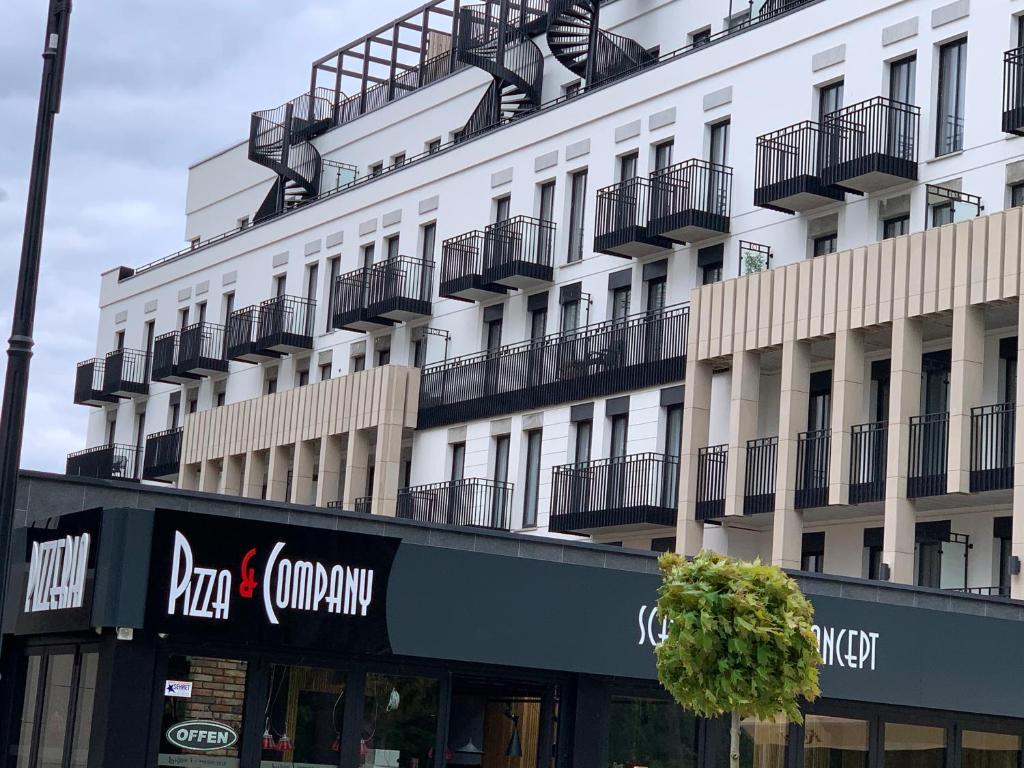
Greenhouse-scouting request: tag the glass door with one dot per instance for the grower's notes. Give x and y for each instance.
(616, 495)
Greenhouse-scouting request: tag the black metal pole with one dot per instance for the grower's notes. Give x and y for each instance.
(19, 346)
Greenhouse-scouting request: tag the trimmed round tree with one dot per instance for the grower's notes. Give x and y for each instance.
(739, 640)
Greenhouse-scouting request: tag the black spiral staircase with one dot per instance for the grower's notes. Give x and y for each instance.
(279, 139)
(495, 37)
(586, 50)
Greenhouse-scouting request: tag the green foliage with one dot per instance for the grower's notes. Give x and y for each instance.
(739, 638)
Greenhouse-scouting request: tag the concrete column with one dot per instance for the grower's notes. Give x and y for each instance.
(696, 423)
(904, 402)
(787, 533)
(277, 472)
(1017, 543)
(848, 379)
(303, 484)
(746, 393)
(357, 464)
(387, 469)
(254, 473)
(209, 476)
(189, 477)
(965, 392)
(327, 489)
(232, 475)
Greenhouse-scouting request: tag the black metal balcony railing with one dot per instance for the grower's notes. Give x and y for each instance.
(1013, 91)
(870, 145)
(363, 505)
(286, 324)
(106, 462)
(929, 448)
(166, 350)
(690, 201)
(462, 268)
(868, 443)
(399, 289)
(992, 435)
(162, 457)
(712, 463)
(89, 384)
(788, 170)
(126, 373)
(813, 450)
(348, 303)
(202, 350)
(641, 489)
(474, 501)
(983, 591)
(518, 252)
(620, 226)
(643, 350)
(759, 486)
(241, 331)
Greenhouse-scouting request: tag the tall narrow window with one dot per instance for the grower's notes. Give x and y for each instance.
(571, 315)
(393, 246)
(493, 334)
(949, 112)
(312, 277)
(663, 155)
(619, 433)
(628, 166)
(538, 323)
(140, 440)
(229, 305)
(830, 98)
(546, 206)
(183, 315)
(621, 298)
(502, 209)
(902, 80)
(582, 443)
(671, 449)
(368, 255)
(333, 270)
(719, 145)
(501, 447)
(201, 312)
(458, 468)
(577, 209)
(532, 484)
(280, 282)
(429, 232)
(896, 226)
(657, 290)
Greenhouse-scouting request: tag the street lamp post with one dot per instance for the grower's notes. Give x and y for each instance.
(19, 346)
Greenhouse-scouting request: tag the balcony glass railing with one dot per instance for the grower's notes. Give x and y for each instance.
(637, 351)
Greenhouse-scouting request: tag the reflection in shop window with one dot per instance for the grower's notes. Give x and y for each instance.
(990, 750)
(399, 721)
(835, 742)
(914, 746)
(651, 733)
(218, 696)
(762, 743)
(305, 707)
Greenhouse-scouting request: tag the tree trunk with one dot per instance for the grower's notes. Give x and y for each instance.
(734, 741)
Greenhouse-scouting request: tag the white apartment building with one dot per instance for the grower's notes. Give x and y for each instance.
(661, 272)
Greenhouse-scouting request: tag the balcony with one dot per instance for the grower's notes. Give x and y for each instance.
(392, 291)
(929, 446)
(620, 228)
(518, 252)
(759, 486)
(106, 462)
(126, 373)
(644, 350)
(202, 350)
(166, 349)
(629, 491)
(993, 428)
(242, 330)
(349, 301)
(473, 502)
(868, 444)
(1013, 91)
(712, 463)
(871, 145)
(89, 384)
(812, 460)
(462, 268)
(162, 457)
(277, 326)
(690, 201)
(788, 172)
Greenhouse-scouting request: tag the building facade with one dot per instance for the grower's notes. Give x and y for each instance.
(571, 268)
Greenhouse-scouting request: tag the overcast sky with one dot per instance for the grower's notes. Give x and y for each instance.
(151, 87)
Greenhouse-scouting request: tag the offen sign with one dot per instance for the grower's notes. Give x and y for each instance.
(201, 735)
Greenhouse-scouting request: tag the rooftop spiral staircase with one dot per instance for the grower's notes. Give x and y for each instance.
(280, 139)
(495, 37)
(586, 50)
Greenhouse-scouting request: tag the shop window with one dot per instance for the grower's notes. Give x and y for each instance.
(399, 721)
(989, 750)
(218, 696)
(304, 709)
(495, 726)
(914, 746)
(650, 732)
(835, 741)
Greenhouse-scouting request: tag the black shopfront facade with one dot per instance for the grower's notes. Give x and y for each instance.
(163, 637)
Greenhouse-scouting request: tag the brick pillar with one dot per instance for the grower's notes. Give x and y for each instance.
(788, 527)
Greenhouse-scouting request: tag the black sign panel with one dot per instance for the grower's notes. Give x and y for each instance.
(58, 574)
(246, 582)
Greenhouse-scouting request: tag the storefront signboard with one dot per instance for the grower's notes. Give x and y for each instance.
(201, 735)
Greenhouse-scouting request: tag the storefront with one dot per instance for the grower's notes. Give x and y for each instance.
(169, 638)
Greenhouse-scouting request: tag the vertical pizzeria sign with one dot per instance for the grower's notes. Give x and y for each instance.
(252, 582)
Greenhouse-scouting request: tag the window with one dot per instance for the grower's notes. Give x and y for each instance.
(657, 292)
(434, 145)
(577, 213)
(312, 278)
(652, 732)
(896, 226)
(502, 209)
(628, 166)
(201, 312)
(663, 154)
(376, 169)
(302, 374)
(872, 558)
(111, 427)
(501, 448)
(620, 302)
(619, 433)
(408, 729)
(280, 284)
(941, 213)
(174, 415)
(989, 750)
(949, 112)
(183, 316)
(812, 552)
(492, 334)
(303, 703)
(835, 741)
(711, 260)
(428, 239)
(269, 381)
(571, 89)
(398, 160)
(243, 222)
(532, 484)
(672, 448)
(664, 544)
(325, 371)
(194, 242)
(392, 247)
(700, 37)
(220, 698)
(140, 436)
(358, 363)
(737, 20)
(914, 746)
(228, 302)
(546, 203)
(193, 401)
(830, 98)
(581, 444)
(458, 465)
(333, 270)
(719, 146)
(570, 315)
(538, 323)
(825, 244)
(220, 394)
(383, 357)
(903, 80)
(419, 352)
(1017, 192)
